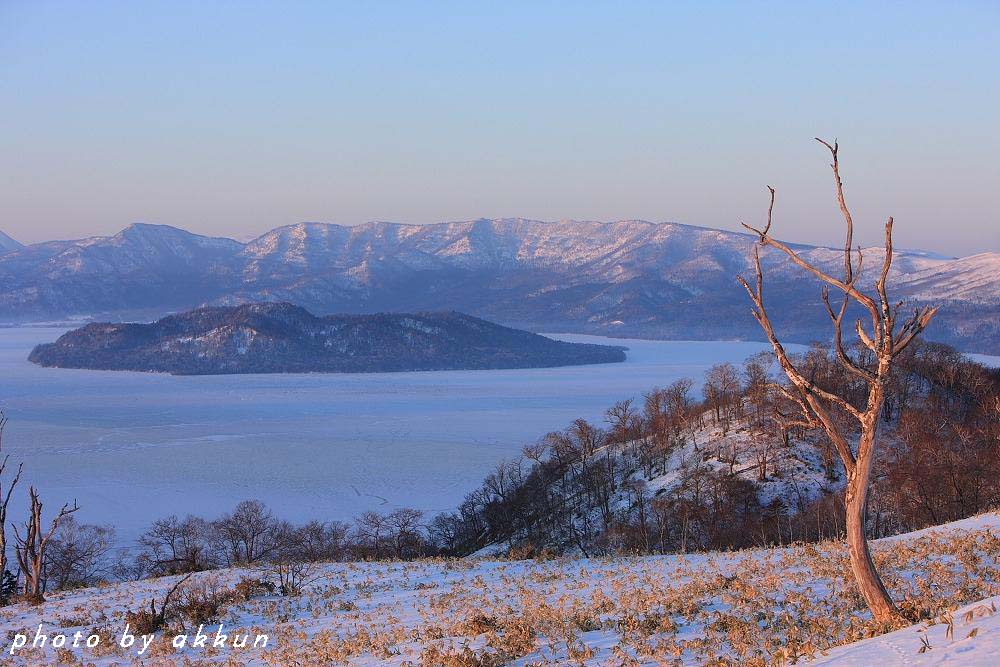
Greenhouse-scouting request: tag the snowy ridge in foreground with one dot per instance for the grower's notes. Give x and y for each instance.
(748, 608)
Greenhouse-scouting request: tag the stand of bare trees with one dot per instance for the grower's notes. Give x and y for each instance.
(818, 406)
(585, 489)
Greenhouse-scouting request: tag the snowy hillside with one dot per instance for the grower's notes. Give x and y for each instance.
(975, 278)
(782, 478)
(968, 636)
(747, 608)
(792, 475)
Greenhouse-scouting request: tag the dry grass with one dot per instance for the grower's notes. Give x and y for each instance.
(752, 608)
(731, 609)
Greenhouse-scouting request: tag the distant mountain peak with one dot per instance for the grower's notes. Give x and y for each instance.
(7, 244)
(152, 227)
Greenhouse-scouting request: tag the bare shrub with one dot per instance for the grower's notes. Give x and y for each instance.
(248, 588)
(203, 602)
(147, 621)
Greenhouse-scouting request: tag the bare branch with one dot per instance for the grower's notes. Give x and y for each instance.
(834, 152)
(10, 488)
(912, 328)
(888, 320)
(760, 314)
(810, 393)
(838, 337)
(868, 342)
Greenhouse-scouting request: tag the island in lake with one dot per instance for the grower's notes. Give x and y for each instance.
(283, 338)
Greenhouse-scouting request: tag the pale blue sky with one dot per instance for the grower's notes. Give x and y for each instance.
(232, 118)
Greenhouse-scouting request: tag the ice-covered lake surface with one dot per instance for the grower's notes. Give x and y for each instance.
(133, 447)
(985, 359)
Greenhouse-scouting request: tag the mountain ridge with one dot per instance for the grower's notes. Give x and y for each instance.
(629, 278)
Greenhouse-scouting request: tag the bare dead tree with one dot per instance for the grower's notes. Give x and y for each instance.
(818, 406)
(5, 501)
(30, 549)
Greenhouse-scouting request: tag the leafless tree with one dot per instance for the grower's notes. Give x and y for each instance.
(30, 548)
(621, 417)
(535, 452)
(405, 526)
(371, 528)
(721, 391)
(819, 406)
(293, 558)
(587, 437)
(247, 531)
(505, 478)
(761, 446)
(321, 540)
(75, 556)
(173, 546)
(757, 388)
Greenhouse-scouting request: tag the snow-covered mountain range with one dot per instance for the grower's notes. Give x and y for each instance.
(628, 278)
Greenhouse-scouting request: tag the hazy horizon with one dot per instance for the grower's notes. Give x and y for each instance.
(230, 121)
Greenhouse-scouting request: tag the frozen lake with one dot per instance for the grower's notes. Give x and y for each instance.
(133, 447)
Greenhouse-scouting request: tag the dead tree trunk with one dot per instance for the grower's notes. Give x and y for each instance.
(818, 406)
(30, 549)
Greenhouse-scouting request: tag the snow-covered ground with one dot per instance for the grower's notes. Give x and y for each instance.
(971, 640)
(746, 608)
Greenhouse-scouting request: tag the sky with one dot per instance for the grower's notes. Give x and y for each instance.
(231, 118)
